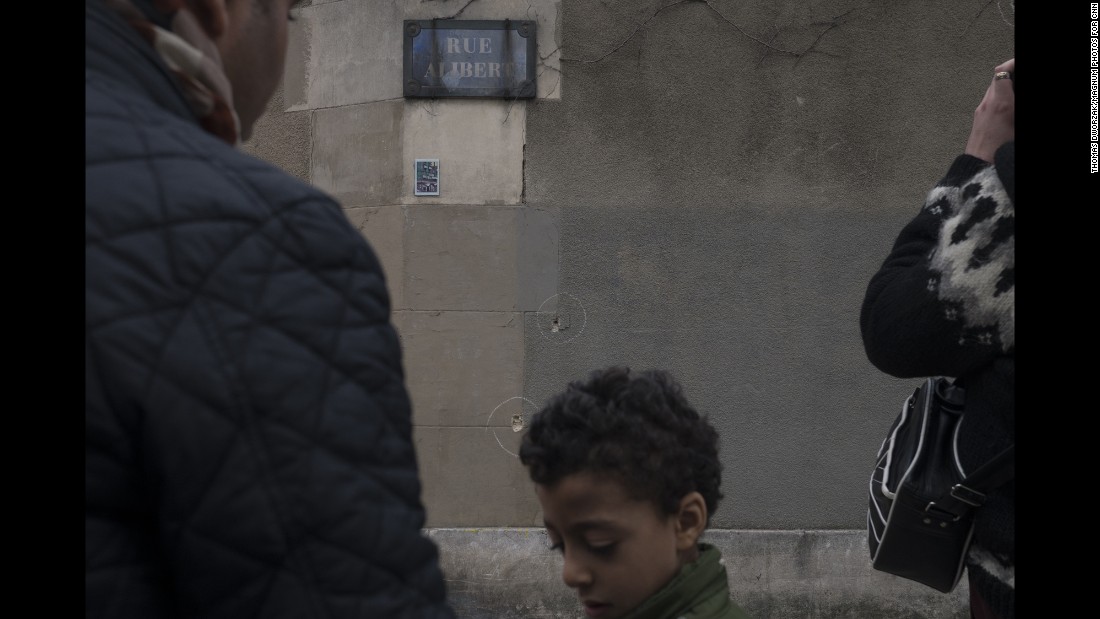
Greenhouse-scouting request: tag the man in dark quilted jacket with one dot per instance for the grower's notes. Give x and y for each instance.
(248, 437)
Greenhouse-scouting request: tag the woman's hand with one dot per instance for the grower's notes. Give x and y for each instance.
(995, 118)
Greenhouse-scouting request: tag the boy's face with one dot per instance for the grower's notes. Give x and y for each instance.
(617, 550)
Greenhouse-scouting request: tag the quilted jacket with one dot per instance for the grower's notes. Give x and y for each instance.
(248, 443)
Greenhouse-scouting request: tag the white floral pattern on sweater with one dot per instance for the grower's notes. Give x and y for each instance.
(973, 263)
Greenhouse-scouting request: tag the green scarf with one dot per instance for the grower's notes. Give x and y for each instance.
(699, 591)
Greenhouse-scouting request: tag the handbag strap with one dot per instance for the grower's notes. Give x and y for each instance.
(971, 492)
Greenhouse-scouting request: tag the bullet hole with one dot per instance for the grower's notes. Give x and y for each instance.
(564, 314)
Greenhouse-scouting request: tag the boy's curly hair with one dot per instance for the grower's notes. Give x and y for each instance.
(635, 426)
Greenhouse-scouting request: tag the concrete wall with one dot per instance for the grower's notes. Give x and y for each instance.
(702, 186)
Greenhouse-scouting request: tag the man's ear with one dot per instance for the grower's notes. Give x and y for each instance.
(691, 520)
(212, 15)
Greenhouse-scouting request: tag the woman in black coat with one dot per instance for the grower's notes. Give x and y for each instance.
(943, 304)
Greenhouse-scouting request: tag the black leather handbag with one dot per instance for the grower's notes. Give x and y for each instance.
(920, 514)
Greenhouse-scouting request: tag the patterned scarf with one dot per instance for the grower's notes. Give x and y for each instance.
(193, 58)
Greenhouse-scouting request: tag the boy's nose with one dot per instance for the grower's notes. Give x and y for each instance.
(575, 573)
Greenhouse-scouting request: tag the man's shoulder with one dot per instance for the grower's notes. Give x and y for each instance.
(136, 149)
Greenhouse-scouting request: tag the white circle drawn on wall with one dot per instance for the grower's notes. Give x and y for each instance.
(564, 321)
(519, 420)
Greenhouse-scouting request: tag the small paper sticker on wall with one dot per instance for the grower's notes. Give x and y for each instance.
(427, 177)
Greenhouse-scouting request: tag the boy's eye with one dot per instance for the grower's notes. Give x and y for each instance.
(603, 549)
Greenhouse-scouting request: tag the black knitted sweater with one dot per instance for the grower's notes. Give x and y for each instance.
(943, 304)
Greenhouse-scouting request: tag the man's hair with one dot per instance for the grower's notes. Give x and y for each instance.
(636, 427)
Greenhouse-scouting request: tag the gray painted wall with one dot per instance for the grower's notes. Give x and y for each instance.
(727, 176)
(704, 186)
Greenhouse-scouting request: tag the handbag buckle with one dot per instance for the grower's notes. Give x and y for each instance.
(969, 496)
(950, 507)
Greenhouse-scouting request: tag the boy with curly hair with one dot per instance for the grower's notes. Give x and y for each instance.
(627, 473)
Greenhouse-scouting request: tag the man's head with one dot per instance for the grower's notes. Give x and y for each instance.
(251, 38)
(627, 473)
